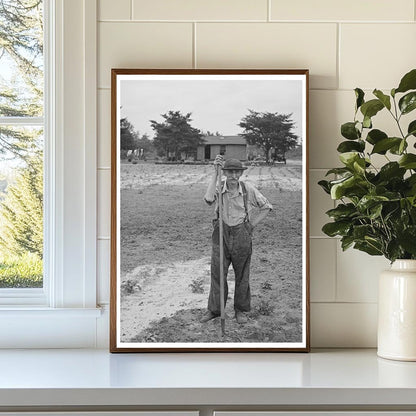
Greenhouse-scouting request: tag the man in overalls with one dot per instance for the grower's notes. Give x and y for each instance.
(239, 200)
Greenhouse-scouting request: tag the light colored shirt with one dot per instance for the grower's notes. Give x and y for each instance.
(233, 204)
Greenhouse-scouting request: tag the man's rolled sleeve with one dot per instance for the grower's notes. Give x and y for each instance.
(261, 201)
(211, 198)
(208, 201)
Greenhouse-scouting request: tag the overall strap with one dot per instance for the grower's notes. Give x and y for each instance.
(243, 187)
(245, 198)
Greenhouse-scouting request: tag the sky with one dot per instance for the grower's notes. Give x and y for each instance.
(216, 105)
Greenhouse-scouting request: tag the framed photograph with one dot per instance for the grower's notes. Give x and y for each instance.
(209, 211)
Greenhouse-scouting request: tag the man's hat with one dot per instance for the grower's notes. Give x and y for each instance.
(233, 164)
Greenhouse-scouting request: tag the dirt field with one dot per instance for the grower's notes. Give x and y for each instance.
(165, 256)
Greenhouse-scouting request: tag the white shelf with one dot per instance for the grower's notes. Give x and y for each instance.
(335, 378)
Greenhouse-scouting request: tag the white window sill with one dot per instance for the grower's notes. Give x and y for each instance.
(36, 312)
(330, 379)
(40, 327)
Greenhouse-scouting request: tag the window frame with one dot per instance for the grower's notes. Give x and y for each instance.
(65, 313)
(37, 296)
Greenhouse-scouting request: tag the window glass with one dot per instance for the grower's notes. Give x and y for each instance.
(21, 143)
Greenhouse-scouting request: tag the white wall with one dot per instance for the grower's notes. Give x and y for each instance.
(345, 44)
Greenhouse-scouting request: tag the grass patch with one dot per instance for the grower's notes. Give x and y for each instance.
(197, 285)
(24, 271)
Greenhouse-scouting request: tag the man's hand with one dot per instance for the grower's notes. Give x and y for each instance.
(219, 161)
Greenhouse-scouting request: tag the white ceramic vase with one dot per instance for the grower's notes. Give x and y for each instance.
(397, 312)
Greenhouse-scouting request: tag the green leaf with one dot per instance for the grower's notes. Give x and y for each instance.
(398, 149)
(348, 158)
(367, 122)
(385, 99)
(369, 201)
(368, 248)
(408, 103)
(407, 240)
(338, 171)
(336, 228)
(383, 145)
(346, 242)
(374, 136)
(408, 161)
(375, 212)
(339, 189)
(342, 211)
(411, 130)
(359, 165)
(393, 250)
(371, 108)
(349, 131)
(408, 82)
(391, 170)
(411, 185)
(349, 146)
(325, 186)
(411, 180)
(361, 231)
(359, 94)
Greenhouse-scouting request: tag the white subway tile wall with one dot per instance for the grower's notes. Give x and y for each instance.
(200, 10)
(114, 10)
(323, 269)
(339, 325)
(328, 109)
(376, 55)
(144, 45)
(270, 45)
(103, 270)
(104, 202)
(344, 44)
(355, 10)
(104, 128)
(357, 275)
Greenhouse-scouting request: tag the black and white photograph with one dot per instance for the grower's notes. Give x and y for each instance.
(209, 215)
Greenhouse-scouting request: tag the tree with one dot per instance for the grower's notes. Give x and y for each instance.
(21, 212)
(269, 130)
(128, 136)
(176, 135)
(146, 144)
(21, 88)
(210, 133)
(130, 139)
(21, 95)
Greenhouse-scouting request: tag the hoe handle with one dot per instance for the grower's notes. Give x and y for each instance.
(221, 237)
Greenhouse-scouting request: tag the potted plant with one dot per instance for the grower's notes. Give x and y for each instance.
(376, 206)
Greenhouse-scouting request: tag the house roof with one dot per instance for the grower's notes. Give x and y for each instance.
(224, 140)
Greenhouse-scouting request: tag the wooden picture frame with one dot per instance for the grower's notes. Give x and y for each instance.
(167, 127)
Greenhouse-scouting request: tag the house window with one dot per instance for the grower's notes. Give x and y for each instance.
(222, 149)
(22, 142)
(62, 313)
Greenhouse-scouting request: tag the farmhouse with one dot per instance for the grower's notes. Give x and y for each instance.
(230, 146)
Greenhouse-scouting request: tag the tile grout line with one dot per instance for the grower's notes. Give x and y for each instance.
(338, 63)
(344, 303)
(226, 21)
(269, 11)
(194, 62)
(336, 271)
(131, 9)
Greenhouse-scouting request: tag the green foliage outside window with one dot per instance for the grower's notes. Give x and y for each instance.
(21, 147)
